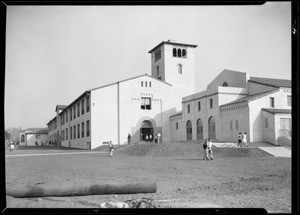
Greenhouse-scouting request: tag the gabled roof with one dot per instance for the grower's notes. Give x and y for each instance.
(36, 130)
(279, 111)
(107, 85)
(172, 43)
(272, 82)
(250, 98)
(128, 79)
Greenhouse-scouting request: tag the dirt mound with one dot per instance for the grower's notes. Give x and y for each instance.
(188, 150)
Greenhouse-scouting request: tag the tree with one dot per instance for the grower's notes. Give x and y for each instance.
(7, 135)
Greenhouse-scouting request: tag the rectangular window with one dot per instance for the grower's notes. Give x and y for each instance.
(71, 133)
(149, 83)
(230, 125)
(199, 106)
(87, 103)
(82, 129)
(272, 102)
(67, 116)
(145, 83)
(289, 100)
(266, 123)
(82, 107)
(142, 83)
(67, 133)
(188, 108)
(74, 132)
(211, 103)
(70, 114)
(176, 125)
(88, 128)
(74, 111)
(78, 131)
(146, 103)
(78, 109)
(236, 124)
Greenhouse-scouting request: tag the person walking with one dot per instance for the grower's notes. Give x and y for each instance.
(129, 138)
(240, 139)
(209, 149)
(111, 148)
(244, 139)
(206, 151)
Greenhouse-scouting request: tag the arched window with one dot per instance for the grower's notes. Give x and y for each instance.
(189, 130)
(179, 52)
(179, 68)
(225, 84)
(199, 129)
(183, 53)
(142, 83)
(211, 128)
(174, 52)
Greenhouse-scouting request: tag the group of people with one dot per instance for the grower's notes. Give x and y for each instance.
(207, 145)
(149, 138)
(242, 140)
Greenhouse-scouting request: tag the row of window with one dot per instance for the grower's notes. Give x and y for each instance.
(199, 106)
(146, 84)
(179, 52)
(72, 110)
(272, 101)
(85, 129)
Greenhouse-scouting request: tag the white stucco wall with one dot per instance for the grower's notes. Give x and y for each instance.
(231, 114)
(233, 79)
(277, 126)
(176, 134)
(104, 115)
(32, 138)
(256, 118)
(131, 114)
(269, 132)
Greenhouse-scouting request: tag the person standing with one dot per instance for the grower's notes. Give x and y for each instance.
(244, 139)
(205, 149)
(129, 138)
(11, 148)
(155, 139)
(150, 137)
(158, 137)
(240, 139)
(111, 148)
(209, 149)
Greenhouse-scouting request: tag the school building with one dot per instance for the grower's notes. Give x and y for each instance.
(165, 102)
(234, 102)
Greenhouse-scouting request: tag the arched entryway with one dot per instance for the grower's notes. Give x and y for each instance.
(199, 129)
(189, 131)
(146, 131)
(211, 128)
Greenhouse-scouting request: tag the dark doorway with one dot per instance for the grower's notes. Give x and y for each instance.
(146, 131)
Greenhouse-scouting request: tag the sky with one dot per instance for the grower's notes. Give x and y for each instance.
(55, 53)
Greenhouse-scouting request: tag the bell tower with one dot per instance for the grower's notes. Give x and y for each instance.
(174, 63)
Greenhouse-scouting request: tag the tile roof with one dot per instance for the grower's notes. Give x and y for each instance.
(250, 98)
(36, 130)
(177, 114)
(274, 111)
(272, 82)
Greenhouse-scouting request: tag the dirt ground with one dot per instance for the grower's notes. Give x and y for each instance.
(184, 181)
